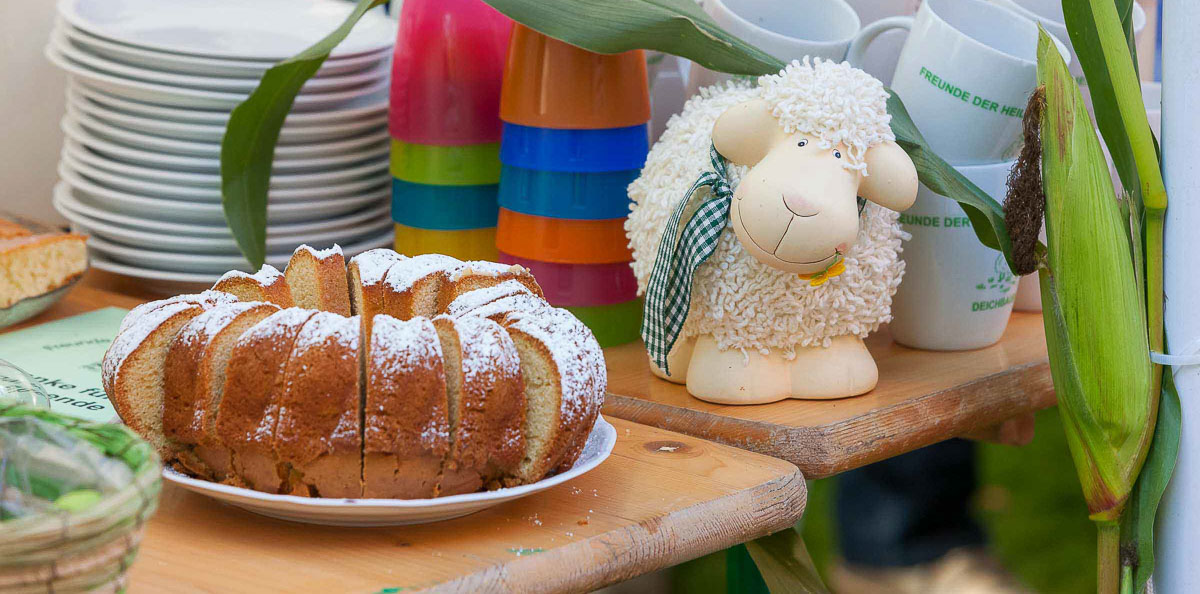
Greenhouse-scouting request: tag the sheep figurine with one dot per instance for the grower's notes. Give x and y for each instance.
(781, 306)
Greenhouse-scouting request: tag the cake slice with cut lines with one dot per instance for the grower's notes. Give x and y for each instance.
(267, 285)
(405, 427)
(319, 434)
(254, 383)
(195, 368)
(565, 381)
(477, 298)
(477, 275)
(413, 287)
(368, 271)
(318, 280)
(485, 401)
(133, 369)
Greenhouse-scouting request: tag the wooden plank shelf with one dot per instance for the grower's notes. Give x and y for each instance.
(659, 500)
(923, 397)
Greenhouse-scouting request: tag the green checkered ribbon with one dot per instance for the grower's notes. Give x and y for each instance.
(669, 293)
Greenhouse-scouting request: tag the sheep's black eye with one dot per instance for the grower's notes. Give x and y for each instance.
(837, 154)
(802, 143)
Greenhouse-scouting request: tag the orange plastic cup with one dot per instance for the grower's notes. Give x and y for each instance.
(552, 84)
(464, 244)
(564, 241)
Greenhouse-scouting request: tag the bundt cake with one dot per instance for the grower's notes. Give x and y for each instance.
(267, 285)
(382, 377)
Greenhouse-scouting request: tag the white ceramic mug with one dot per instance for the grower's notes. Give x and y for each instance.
(1050, 14)
(787, 30)
(965, 74)
(880, 59)
(956, 294)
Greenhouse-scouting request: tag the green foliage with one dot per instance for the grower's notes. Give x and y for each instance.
(1137, 526)
(678, 27)
(783, 560)
(248, 148)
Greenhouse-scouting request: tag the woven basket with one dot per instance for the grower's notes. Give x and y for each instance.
(86, 550)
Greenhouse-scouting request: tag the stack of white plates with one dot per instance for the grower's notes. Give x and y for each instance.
(152, 83)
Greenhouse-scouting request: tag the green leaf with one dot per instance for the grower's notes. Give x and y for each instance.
(678, 27)
(1086, 41)
(987, 217)
(1137, 528)
(248, 148)
(785, 565)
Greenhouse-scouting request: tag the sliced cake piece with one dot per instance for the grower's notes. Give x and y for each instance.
(496, 310)
(367, 292)
(206, 299)
(485, 400)
(33, 265)
(317, 279)
(565, 382)
(133, 368)
(319, 435)
(267, 285)
(478, 274)
(254, 383)
(405, 428)
(195, 381)
(477, 298)
(413, 287)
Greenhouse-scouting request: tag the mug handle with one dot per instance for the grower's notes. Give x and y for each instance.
(862, 41)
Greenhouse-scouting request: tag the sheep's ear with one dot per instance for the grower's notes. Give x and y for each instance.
(891, 179)
(746, 131)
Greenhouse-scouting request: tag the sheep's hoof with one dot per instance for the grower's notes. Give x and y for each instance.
(843, 369)
(677, 361)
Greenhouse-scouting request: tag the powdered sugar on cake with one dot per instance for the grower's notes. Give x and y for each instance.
(401, 278)
(576, 354)
(373, 265)
(477, 298)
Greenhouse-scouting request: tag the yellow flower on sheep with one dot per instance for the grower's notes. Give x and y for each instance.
(819, 278)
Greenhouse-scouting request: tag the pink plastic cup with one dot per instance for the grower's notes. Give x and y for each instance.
(446, 73)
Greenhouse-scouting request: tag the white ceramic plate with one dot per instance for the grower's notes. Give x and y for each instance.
(195, 98)
(181, 211)
(207, 264)
(212, 181)
(288, 135)
(368, 107)
(213, 246)
(376, 139)
(237, 29)
(395, 512)
(205, 83)
(211, 166)
(171, 283)
(213, 195)
(204, 66)
(64, 197)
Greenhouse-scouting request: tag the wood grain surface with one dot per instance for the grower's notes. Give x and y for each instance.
(660, 499)
(923, 397)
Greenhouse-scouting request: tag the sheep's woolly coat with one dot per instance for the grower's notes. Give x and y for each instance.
(743, 303)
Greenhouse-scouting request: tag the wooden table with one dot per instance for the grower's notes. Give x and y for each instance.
(661, 498)
(923, 397)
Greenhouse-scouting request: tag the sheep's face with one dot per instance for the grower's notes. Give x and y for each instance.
(796, 209)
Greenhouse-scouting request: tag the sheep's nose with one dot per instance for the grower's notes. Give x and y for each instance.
(798, 205)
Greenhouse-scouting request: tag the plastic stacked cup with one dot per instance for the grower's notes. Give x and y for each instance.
(445, 98)
(575, 137)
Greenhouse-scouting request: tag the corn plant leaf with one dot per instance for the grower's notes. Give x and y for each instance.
(248, 147)
(1086, 40)
(678, 27)
(785, 565)
(1096, 327)
(1137, 530)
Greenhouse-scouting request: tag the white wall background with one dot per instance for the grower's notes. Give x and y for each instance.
(31, 104)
